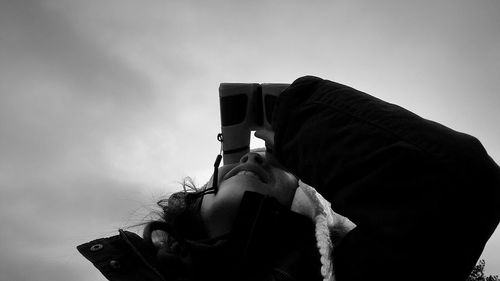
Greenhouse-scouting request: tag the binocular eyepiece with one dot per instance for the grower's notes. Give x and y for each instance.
(245, 107)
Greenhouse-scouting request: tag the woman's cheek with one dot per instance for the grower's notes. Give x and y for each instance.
(287, 179)
(287, 185)
(223, 171)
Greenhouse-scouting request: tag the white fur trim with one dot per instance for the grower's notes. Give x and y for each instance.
(329, 225)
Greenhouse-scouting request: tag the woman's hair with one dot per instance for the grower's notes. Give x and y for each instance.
(179, 223)
(180, 213)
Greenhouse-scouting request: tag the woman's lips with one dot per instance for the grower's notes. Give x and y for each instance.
(250, 174)
(251, 170)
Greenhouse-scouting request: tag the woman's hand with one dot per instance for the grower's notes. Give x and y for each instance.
(266, 135)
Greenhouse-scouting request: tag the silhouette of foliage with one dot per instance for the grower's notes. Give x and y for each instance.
(477, 273)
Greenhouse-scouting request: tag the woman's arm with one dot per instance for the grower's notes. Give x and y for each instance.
(422, 195)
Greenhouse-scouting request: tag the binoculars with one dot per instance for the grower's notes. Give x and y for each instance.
(245, 107)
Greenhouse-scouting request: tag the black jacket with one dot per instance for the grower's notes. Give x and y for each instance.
(425, 198)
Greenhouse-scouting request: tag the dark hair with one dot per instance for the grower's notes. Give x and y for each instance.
(181, 214)
(182, 211)
(179, 223)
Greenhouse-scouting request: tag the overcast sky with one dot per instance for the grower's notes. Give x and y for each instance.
(105, 105)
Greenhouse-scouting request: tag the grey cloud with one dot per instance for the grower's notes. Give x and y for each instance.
(61, 96)
(27, 268)
(44, 221)
(42, 42)
(60, 90)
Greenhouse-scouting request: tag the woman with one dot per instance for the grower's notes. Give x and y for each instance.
(418, 197)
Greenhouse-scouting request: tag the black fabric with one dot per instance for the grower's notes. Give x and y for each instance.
(268, 243)
(124, 257)
(273, 243)
(425, 198)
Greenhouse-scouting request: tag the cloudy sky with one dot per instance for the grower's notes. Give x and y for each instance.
(106, 105)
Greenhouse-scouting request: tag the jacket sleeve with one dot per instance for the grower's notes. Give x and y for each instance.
(423, 196)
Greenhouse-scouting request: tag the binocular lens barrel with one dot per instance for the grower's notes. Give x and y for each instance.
(245, 107)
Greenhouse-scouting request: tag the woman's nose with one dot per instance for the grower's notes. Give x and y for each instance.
(253, 157)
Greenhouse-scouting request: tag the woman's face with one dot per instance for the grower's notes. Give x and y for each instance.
(258, 172)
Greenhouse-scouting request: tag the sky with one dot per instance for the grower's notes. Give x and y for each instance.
(106, 105)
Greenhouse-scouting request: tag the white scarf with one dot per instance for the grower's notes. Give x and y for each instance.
(330, 226)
